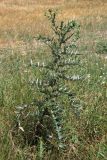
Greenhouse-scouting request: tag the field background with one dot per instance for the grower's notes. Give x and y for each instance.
(20, 22)
(25, 18)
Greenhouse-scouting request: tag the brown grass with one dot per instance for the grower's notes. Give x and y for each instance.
(20, 16)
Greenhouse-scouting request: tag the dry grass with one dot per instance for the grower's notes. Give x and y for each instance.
(20, 16)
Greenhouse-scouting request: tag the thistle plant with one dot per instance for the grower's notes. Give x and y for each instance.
(49, 114)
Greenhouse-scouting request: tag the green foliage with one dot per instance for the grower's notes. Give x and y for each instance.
(101, 47)
(44, 119)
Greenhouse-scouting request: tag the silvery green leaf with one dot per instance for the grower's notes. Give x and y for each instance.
(31, 62)
(17, 112)
(61, 145)
(21, 128)
(60, 137)
(19, 107)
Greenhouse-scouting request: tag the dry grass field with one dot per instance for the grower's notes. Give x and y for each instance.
(20, 22)
(26, 17)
